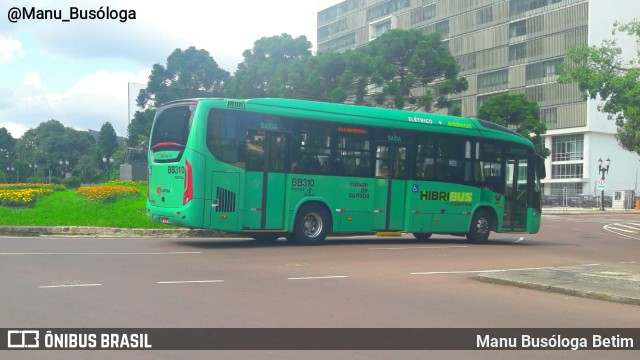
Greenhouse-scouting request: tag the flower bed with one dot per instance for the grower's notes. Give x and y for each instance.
(109, 191)
(24, 195)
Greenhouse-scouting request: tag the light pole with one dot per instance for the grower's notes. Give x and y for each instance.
(34, 167)
(108, 162)
(603, 170)
(12, 169)
(66, 164)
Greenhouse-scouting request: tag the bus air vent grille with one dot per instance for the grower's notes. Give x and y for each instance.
(226, 200)
(238, 105)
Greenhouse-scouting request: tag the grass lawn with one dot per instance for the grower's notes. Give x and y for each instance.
(70, 208)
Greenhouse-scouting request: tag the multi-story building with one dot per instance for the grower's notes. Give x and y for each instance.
(512, 46)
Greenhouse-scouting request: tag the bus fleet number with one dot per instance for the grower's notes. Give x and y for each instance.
(302, 182)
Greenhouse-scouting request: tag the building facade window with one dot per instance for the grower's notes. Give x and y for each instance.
(386, 8)
(484, 16)
(545, 70)
(517, 29)
(566, 171)
(566, 189)
(493, 79)
(567, 148)
(517, 51)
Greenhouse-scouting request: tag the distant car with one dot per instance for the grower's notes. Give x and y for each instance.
(587, 201)
(551, 200)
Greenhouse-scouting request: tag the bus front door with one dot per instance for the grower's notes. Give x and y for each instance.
(515, 212)
(264, 185)
(390, 187)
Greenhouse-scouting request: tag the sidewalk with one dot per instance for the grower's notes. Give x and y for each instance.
(612, 282)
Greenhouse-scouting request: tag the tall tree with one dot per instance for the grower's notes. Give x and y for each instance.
(51, 142)
(7, 144)
(107, 140)
(603, 72)
(265, 68)
(189, 74)
(519, 114)
(405, 59)
(139, 128)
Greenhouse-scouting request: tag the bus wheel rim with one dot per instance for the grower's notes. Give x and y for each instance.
(483, 226)
(312, 225)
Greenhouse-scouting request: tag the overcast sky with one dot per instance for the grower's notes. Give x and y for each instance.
(78, 72)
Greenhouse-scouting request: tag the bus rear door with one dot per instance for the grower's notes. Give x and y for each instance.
(265, 180)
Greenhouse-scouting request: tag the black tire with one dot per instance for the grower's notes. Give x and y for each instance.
(422, 236)
(312, 225)
(480, 227)
(266, 238)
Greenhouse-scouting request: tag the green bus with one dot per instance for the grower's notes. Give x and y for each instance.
(268, 168)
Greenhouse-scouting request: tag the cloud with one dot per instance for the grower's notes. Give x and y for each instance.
(10, 49)
(93, 100)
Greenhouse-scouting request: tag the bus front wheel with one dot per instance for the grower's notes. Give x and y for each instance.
(480, 227)
(312, 225)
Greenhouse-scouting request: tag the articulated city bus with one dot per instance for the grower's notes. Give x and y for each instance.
(268, 168)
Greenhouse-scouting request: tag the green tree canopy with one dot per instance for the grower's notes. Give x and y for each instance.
(7, 145)
(603, 72)
(265, 70)
(139, 128)
(404, 59)
(189, 74)
(519, 114)
(107, 140)
(51, 142)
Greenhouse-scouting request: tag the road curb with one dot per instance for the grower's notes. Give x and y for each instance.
(94, 231)
(614, 282)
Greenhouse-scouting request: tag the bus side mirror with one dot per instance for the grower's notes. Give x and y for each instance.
(542, 171)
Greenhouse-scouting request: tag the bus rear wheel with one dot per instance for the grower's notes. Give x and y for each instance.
(480, 227)
(312, 225)
(422, 236)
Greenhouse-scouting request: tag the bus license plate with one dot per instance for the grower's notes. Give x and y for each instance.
(165, 220)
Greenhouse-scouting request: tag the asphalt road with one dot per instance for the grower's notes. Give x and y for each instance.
(369, 282)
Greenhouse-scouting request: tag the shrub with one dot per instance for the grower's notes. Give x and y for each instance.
(72, 182)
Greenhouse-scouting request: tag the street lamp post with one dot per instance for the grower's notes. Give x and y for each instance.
(108, 162)
(12, 169)
(34, 167)
(603, 170)
(64, 169)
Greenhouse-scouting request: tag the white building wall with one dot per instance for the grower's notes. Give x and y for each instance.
(622, 171)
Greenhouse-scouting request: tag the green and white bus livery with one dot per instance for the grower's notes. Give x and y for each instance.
(268, 168)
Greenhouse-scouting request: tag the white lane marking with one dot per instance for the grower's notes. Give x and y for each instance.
(107, 253)
(190, 281)
(487, 271)
(66, 286)
(422, 247)
(319, 277)
(632, 227)
(614, 227)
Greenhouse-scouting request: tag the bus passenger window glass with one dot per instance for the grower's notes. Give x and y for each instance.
(490, 165)
(172, 126)
(425, 160)
(313, 157)
(352, 156)
(226, 136)
(450, 155)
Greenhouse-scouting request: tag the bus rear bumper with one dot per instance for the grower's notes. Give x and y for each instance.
(190, 215)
